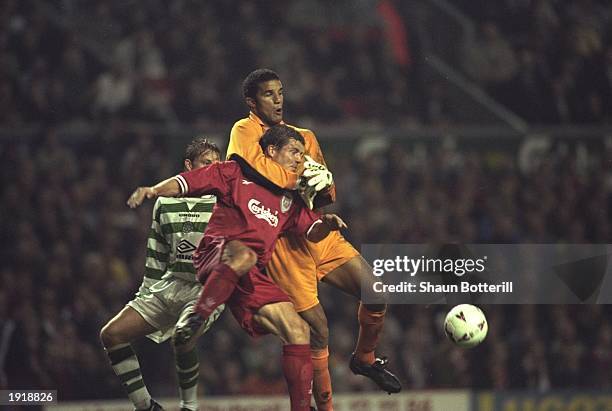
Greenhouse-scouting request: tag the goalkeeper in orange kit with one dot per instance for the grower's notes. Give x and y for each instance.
(297, 264)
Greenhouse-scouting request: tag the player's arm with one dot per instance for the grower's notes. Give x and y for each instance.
(158, 251)
(167, 188)
(316, 186)
(314, 149)
(323, 226)
(315, 227)
(244, 142)
(213, 179)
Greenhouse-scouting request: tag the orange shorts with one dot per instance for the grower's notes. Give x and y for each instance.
(297, 265)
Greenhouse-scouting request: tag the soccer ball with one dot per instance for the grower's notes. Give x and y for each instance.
(466, 325)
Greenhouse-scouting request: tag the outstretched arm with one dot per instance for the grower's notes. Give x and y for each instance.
(214, 179)
(167, 188)
(326, 224)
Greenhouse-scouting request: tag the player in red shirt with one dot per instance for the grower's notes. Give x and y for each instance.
(238, 243)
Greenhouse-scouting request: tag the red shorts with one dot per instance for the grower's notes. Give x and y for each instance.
(253, 291)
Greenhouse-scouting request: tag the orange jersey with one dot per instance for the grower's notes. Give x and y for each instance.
(244, 142)
(296, 264)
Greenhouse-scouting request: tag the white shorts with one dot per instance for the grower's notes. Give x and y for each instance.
(168, 306)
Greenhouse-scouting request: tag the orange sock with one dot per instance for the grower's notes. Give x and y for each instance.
(321, 383)
(370, 327)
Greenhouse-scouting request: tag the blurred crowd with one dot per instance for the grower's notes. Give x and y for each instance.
(549, 61)
(73, 255)
(180, 60)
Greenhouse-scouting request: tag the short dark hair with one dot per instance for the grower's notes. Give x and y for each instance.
(198, 146)
(254, 79)
(279, 136)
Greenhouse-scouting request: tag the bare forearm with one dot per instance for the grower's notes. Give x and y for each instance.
(167, 188)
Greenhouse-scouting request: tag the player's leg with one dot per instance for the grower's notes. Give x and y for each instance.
(236, 260)
(187, 372)
(319, 342)
(220, 279)
(187, 361)
(125, 327)
(294, 270)
(350, 277)
(116, 337)
(281, 319)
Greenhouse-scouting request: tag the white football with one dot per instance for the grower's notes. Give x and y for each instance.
(466, 325)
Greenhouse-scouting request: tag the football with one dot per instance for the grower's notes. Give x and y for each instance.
(466, 325)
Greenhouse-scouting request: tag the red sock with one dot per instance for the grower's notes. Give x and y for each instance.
(217, 289)
(321, 383)
(370, 327)
(297, 367)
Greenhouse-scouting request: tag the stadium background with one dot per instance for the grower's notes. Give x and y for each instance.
(471, 120)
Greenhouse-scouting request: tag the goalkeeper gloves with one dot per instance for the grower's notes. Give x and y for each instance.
(317, 175)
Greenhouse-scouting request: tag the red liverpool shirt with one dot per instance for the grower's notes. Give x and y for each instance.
(246, 211)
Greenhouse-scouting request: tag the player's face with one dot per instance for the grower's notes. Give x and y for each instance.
(268, 103)
(204, 159)
(290, 156)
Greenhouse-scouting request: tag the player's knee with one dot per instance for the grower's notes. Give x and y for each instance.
(242, 259)
(111, 335)
(103, 336)
(248, 259)
(297, 331)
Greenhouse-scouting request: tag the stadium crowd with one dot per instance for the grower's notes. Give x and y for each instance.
(549, 61)
(73, 252)
(178, 61)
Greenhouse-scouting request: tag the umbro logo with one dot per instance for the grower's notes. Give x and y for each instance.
(185, 247)
(246, 182)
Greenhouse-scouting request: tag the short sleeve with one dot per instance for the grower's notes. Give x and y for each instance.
(215, 179)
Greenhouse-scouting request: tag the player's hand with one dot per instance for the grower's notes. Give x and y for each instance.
(139, 195)
(333, 222)
(317, 175)
(308, 193)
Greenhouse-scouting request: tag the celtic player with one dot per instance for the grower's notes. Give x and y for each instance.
(168, 292)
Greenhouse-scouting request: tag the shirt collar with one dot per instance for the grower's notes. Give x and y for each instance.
(259, 121)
